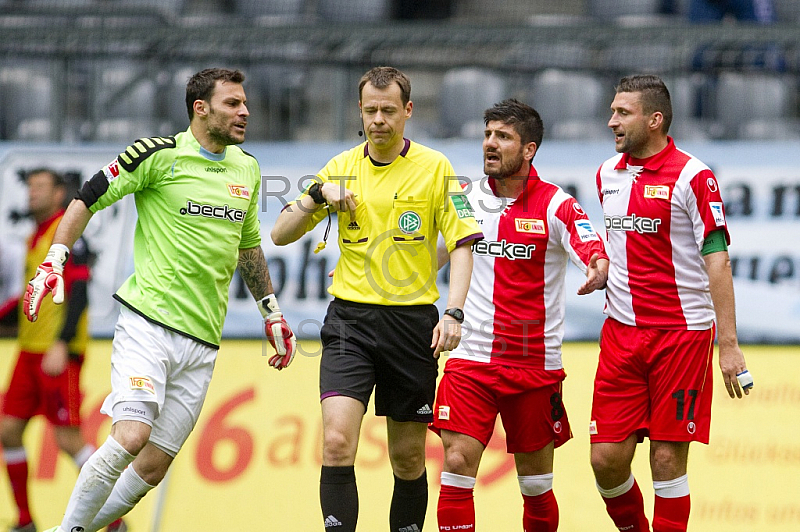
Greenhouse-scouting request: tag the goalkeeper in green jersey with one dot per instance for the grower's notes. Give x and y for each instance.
(197, 200)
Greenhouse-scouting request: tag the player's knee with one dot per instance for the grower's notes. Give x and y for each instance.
(457, 462)
(604, 461)
(407, 462)
(10, 433)
(338, 448)
(667, 462)
(133, 422)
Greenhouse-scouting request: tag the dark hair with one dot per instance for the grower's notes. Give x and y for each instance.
(525, 119)
(201, 85)
(383, 76)
(655, 95)
(58, 179)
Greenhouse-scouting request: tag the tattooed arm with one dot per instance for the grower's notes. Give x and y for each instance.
(253, 269)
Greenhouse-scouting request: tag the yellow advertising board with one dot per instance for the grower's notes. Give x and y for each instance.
(253, 461)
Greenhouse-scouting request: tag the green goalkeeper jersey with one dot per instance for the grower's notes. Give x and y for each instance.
(196, 209)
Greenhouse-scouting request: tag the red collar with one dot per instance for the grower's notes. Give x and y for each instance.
(530, 180)
(43, 227)
(652, 163)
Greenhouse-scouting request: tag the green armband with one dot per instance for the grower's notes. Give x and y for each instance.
(714, 242)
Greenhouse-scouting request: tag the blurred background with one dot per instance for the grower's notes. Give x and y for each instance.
(114, 70)
(81, 79)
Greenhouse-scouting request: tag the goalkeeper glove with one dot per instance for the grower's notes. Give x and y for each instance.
(49, 278)
(278, 333)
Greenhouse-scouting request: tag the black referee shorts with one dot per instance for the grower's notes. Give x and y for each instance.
(385, 347)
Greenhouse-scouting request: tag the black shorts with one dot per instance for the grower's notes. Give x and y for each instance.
(385, 347)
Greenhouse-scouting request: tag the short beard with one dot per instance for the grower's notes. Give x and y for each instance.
(222, 137)
(510, 169)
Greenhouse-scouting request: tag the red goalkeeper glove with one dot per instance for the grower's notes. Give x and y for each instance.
(279, 333)
(49, 278)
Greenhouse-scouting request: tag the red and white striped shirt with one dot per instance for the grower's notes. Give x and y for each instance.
(514, 313)
(658, 212)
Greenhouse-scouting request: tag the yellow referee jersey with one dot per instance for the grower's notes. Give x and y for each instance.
(388, 253)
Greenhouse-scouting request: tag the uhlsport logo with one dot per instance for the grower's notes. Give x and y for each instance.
(409, 222)
(223, 212)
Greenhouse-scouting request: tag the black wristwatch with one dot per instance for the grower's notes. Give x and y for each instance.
(455, 313)
(315, 191)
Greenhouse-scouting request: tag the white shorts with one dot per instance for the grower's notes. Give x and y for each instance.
(154, 365)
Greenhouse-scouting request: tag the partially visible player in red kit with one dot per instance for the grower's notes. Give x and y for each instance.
(46, 378)
(509, 360)
(668, 282)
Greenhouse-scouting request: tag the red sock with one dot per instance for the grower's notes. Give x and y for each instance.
(17, 466)
(456, 510)
(627, 510)
(672, 505)
(540, 513)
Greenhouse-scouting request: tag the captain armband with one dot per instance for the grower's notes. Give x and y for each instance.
(714, 242)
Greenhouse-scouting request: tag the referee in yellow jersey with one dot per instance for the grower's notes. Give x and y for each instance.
(382, 330)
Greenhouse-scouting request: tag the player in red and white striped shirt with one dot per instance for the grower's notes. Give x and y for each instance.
(668, 281)
(509, 358)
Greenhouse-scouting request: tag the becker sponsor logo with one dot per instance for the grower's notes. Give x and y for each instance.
(632, 223)
(508, 250)
(142, 383)
(239, 191)
(656, 192)
(218, 212)
(111, 171)
(530, 225)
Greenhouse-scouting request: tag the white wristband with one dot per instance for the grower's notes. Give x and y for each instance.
(745, 380)
(268, 305)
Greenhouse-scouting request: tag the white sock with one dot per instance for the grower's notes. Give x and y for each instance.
(82, 456)
(457, 481)
(129, 490)
(94, 485)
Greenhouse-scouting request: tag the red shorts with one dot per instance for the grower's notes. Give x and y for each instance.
(655, 382)
(32, 392)
(471, 394)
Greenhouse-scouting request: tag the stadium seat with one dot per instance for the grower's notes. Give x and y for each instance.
(26, 101)
(611, 9)
(541, 55)
(285, 9)
(168, 7)
(354, 10)
(573, 105)
(689, 95)
(744, 100)
(465, 94)
(787, 11)
(637, 58)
